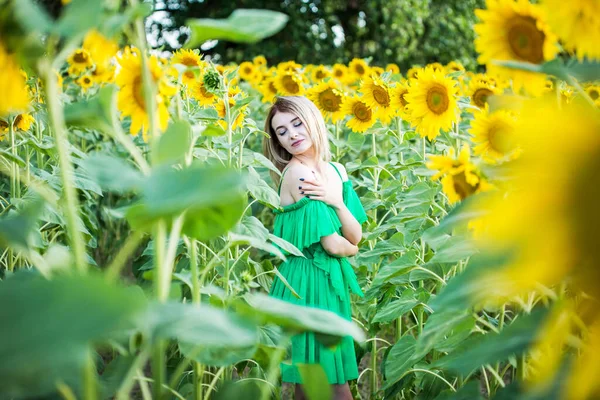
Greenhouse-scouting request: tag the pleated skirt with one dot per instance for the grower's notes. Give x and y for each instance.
(315, 289)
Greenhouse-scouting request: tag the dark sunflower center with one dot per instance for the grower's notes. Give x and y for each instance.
(594, 94)
(330, 101)
(480, 96)
(247, 70)
(320, 74)
(290, 84)
(437, 99)
(338, 73)
(272, 87)
(87, 80)
(3, 126)
(138, 92)
(526, 40)
(205, 93)
(360, 70)
(402, 99)
(80, 57)
(381, 96)
(462, 188)
(361, 111)
(502, 138)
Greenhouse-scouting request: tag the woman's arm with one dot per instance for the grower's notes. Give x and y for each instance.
(351, 229)
(337, 246)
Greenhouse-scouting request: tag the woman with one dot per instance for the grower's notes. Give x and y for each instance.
(321, 215)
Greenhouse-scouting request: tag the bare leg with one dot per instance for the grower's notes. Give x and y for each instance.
(342, 392)
(299, 393)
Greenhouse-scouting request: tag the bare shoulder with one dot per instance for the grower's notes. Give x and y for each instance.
(342, 170)
(291, 181)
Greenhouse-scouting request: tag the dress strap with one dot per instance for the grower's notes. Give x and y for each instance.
(337, 170)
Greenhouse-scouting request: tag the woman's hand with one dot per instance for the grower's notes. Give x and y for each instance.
(316, 190)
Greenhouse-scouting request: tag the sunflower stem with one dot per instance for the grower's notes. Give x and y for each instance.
(400, 137)
(71, 204)
(337, 141)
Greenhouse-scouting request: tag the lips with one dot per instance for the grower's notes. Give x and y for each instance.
(297, 142)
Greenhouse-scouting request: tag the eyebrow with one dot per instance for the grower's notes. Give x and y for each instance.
(281, 126)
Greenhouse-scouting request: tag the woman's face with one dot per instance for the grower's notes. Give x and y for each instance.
(291, 133)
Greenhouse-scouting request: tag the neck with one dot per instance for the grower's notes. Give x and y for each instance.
(308, 160)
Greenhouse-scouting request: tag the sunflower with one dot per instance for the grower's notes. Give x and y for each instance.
(289, 84)
(289, 66)
(268, 90)
(594, 92)
(247, 71)
(340, 72)
(191, 59)
(455, 66)
(79, 61)
(362, 116)
(399, 102)
(222, 111)
(198, 91)
(358, 68)
(376, 94)
(260, 61)
(413, 73)
(21, 122)
(103, 74)
(393, 68)
(432, 103)
(377, 71)
(437, 67)
(328, 99)
(550, 215)
(100, 48)
(319, 73)
(460, 178)
(479, 91)
(85, 82)
(577, 24)
(131, 101)
(494, 135)
(515, 30)
(12, 82)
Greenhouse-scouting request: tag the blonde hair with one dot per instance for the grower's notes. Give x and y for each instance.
(310, 116)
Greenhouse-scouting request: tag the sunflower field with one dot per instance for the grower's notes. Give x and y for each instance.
(136, 210)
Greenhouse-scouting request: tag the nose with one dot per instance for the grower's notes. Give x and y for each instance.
(293, 134)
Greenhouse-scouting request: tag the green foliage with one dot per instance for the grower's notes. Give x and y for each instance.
(414, 32)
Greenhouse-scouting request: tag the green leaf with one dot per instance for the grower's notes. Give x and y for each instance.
(356, 140)
(315, 383)
(438, 326)
(211, 196)
(401, 265)
(455, 249)
(78, 17)
(17, 229)
(242, 26)
(260, 190)
(213, 130)
(396, 308)
(296, 319)
(31, 16)
(217, 356)
(400, 359)
(285, 245)
(470, 391)
(256, 243)
(93, 113)
(174, 144)
(491, 348)
(112, 173)
(48, 328)
(583, 71)
(198, 326)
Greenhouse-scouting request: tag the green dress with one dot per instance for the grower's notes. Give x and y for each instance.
(321, 280)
